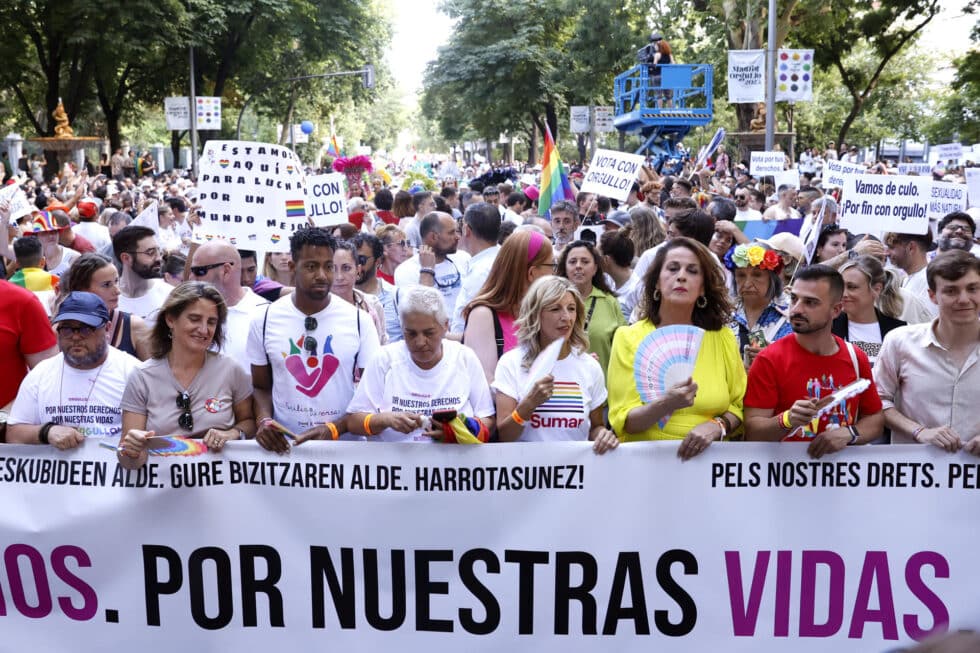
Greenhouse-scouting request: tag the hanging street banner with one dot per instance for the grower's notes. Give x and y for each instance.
(794, 76)
(541, 547)
(880, 203)
(767, 164)
(252, 194)
(746, 76)
(178, 113)
(579, 120)
(834, 171)
(604, 119)
(326, 203)
(612, 173)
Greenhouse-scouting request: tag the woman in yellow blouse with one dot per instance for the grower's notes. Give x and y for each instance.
(684, 286)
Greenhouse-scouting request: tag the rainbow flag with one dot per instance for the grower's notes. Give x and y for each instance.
(332, 149)
(295, 208)
(554, 182)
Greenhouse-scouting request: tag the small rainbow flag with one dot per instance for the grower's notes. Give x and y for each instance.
(295, 208)
(554, 182)
(332, 149)
(566, 398)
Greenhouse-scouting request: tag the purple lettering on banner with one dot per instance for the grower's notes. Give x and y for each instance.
(935, 605)
(90, 602)
(784, 584)
(17, 594)
(745, 614)
(808, 594)
(874, 572)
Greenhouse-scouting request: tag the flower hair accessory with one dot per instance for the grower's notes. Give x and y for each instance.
(754, 256)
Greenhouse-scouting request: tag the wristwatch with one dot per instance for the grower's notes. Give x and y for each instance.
(854, 434)
(852, 254)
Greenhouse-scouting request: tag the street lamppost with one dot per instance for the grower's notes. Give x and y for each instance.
(367, 75)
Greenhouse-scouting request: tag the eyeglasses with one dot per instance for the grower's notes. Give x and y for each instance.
(400, 243)
(85, 331)
(309, 342)
(741, 197)
(153, 251)
(553, 265)
(362, 259)
(953, 228)
(186, 419)
(201, 270)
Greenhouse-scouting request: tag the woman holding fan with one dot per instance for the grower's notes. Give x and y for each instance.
(686, 301)
(549, 388)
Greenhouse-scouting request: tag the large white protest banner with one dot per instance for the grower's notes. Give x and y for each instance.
(946, 198)
(524, 547)
(880, 203)
(973, 185)
(914, 168)
(948, 151)
(325, 201)
(612, 173)
(746, 76)
(834, 171)
(252, 194)
(794, 76)
(765, 164)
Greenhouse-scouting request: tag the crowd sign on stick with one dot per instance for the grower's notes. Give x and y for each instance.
(252, 194)
(766, 164)
(612, 174)
(325, 202)
(973, 185)
(914, 169)
(834, 171)
(878, 203)
(944, 198)
(949, 151)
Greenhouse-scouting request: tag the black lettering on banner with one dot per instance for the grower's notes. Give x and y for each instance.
(321, 566)
(628, 567)
(195, 575)
(689, 610)
(153, 586)
(490, 604)
(525, 592)
(252, 586)
(424, 588)
(372, 590)
(565, 593)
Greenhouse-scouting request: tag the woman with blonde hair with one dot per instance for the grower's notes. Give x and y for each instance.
(276, 268)
(490, 317)
(872, 302)
(568, 401)
(647, 229)
(396, 250)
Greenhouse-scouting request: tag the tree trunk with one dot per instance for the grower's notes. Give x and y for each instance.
(112, 128)
(532, 150)
(580, 141)
(551, 116)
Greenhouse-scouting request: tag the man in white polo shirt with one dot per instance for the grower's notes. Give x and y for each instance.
(438, 263)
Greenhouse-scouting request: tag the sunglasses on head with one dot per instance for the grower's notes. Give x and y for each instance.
(201, 270)
(186, 419)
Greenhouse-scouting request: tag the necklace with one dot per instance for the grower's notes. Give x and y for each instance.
(61, 385)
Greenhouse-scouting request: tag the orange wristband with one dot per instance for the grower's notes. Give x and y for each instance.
(517, 418)
(367, 424)
(333, 431)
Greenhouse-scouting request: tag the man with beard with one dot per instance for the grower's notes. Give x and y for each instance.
(369, 251)
(564, 223)
(788, 397)
(75, 394)
(141, 285)
(328, 344)
(432, 266)
(956, 232)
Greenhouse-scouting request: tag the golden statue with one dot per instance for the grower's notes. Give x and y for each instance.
(61, 127)
(758, 123)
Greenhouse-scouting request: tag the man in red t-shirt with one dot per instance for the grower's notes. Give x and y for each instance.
(26, 339)
(792, 380)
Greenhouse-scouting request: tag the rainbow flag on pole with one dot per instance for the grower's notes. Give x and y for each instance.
(332, 149)
(554, 182)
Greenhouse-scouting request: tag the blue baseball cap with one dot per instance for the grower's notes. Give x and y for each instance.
(85, 307)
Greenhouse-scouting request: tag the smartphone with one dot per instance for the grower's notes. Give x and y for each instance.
(444, 416)
(757, 339)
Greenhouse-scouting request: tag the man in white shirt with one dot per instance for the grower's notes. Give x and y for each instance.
(219, 263)
(88, 227)
(369, 251)
(909, 252)
(76, 394)
(141, 285)
(423, 203)
(437, 263)
(516, 202)
(481, 227)
(743, 212)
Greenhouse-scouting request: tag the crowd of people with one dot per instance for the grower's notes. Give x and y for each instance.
(464, 303)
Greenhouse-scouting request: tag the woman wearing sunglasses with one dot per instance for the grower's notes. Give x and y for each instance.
(396, 251)
(185, 388)
(345, 266)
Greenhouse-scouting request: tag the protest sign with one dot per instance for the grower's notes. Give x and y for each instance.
(746, 76)
(326, 204)
(252, 194)
(506, 547)
(789, 177)
(764, 164)
(973, 185)
(945, 197)
(149, 217)
(834, 171)
(17, 203)
(579, 120)
(914, 169)
(948, 151)
(612, 173)
(879, 203)
(794, 76)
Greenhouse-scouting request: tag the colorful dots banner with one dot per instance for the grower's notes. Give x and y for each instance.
(794, 76)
